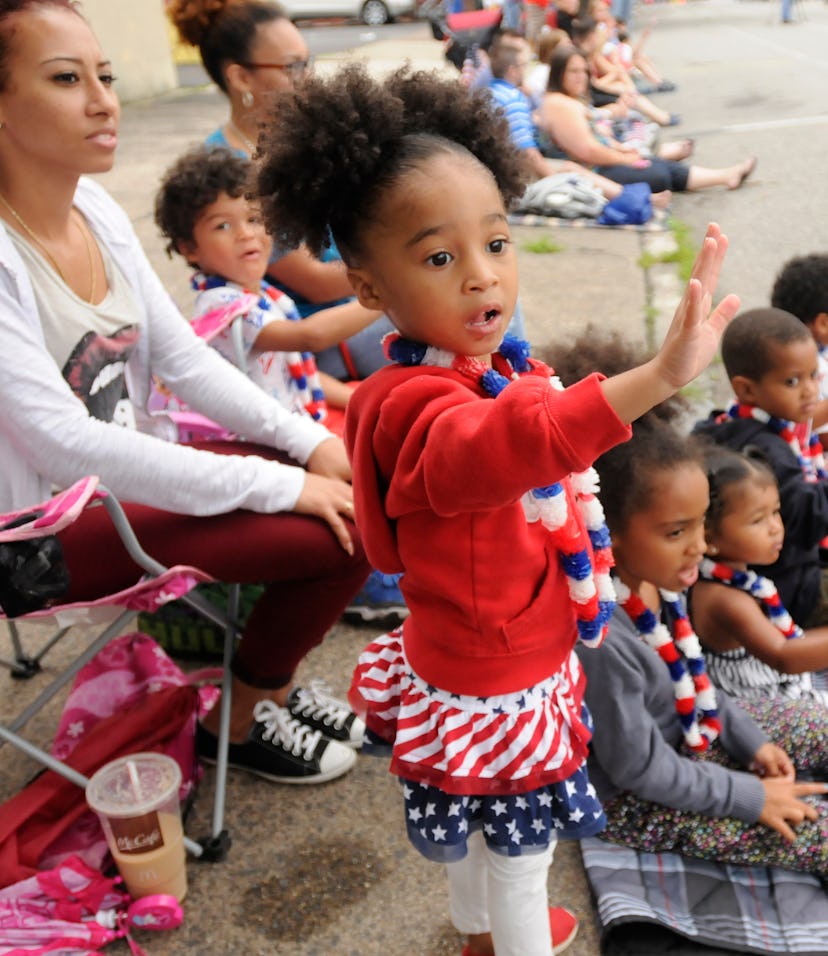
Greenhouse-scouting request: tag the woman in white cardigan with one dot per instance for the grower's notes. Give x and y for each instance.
(84, 324)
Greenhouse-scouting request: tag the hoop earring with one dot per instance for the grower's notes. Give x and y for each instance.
(247, 99)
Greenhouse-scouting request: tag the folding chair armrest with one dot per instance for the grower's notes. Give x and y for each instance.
(127, 535)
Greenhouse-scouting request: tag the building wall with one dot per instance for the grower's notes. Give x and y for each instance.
(134, 34)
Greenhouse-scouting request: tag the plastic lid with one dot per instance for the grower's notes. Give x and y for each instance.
(133, 785)
(159, 911)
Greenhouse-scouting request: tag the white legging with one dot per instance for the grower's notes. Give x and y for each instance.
(504, 895)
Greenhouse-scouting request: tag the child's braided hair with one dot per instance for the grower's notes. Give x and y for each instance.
(330, 150)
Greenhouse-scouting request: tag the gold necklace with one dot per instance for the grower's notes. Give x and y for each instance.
(30, 233)
(249, 145)
(19, 219)
(83, 231)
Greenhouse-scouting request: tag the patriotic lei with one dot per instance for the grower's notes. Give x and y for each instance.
(763, 589)
(811, 459)
(588, 575)
(680, 650)
(304, 376)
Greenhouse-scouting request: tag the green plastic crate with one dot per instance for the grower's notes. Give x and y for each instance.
(183, 633)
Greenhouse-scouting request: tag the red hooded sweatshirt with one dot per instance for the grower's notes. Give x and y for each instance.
(439, 471)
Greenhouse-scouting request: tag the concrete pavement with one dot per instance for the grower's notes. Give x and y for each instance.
(327, 869)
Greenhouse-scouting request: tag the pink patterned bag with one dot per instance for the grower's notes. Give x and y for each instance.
(126, 671)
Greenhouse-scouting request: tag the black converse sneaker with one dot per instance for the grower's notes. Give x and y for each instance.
(315, 706)
(281, 748)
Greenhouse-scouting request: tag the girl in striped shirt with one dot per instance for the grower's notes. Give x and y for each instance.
(753, 648)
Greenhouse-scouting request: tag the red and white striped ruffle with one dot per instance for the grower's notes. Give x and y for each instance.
(509, 743)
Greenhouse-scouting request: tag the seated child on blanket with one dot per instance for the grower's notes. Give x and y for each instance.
(678, 765)
(753, 648)
(771, 360)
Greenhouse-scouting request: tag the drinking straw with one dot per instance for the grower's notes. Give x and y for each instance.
(132, 770)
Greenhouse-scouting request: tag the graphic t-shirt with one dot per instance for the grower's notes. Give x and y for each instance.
(90, 343)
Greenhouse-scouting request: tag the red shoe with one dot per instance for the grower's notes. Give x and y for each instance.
(564, 927)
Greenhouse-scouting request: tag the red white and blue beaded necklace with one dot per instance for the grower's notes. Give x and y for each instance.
(761, 588)
(696, 703)
(810, 458)
(588, 575)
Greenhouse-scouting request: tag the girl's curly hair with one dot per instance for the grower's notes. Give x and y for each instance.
(331, 149)
(727, 468)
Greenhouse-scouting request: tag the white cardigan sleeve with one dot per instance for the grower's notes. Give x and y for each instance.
(49, 433)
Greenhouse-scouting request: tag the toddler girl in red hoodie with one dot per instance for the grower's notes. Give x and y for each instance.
(472, 478)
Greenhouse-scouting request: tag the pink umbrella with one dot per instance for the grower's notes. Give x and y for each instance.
(73, 910)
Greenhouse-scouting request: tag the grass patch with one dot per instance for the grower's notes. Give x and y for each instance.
(543, 246)
(684, 255)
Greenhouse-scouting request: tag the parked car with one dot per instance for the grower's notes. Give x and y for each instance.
(372, 12)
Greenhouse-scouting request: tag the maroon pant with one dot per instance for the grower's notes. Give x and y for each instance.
(309, 579)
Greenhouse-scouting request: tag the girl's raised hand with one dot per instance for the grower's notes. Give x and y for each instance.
(694, 334)
(691, 341)
(783, 810)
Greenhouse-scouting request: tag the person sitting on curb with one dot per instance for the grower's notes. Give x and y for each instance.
(567, 117)
(770, 358)
(801, 288)
(508, 63)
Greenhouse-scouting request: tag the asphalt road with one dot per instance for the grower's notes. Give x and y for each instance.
(749, 85)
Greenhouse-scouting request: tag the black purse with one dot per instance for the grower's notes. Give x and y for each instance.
(33, 573)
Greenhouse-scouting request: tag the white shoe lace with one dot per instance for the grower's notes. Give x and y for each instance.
(315, 701)
(282, 727)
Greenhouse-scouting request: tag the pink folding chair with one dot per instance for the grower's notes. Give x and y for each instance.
(192, 426)
(31, 581)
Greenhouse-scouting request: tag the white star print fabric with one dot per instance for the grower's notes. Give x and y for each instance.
(439, 823)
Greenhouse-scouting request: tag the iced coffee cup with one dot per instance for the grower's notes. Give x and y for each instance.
(136, 799)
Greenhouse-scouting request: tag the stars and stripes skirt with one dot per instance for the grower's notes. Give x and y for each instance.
(511, 765)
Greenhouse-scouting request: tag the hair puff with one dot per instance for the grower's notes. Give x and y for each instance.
(329, 150)
(192, 18)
